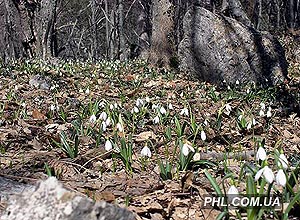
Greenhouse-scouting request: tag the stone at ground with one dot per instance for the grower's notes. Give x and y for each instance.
(51, 201)
(216, 48)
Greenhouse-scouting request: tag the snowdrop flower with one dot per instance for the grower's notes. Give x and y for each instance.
(162, 110)
(184, 111)
(116, 105)
(267, 173)
(203, 135)
(170, 106)
(111, 106)
(283, 161)
(156, 120)
(107, 122)
(261, 113)
(146, 152)
(232, 190)
(262, 106)
(269, 114)
(120, 127)
(240, 117)
(237, 82)
(139, 102)
(253, 121)
(93, 119)
(154, 106)
(205, 122)
(227, 109)
(186, 148)
(249, 125)
(87, 91)
(248, 91)
(135, 109)
(103, 116)
(147, 99)
(281, 178)
(232, 193)
(103, 124)
(108, 145)
(52, 107)
(261, 154)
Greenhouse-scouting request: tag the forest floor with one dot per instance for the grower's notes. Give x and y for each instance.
(52, 123)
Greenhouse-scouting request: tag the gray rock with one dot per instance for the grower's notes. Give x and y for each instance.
(51, 201)
(217, 48)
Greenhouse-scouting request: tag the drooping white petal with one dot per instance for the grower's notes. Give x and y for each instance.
(232, 190)
(170, 106)
(258, 174)
(93, 119)
(268, 174)
(261, 154)
(146, 152)
(156, 120)
(186, 148)
(107, 122)
(203, 135)
(184, 111)
(281, 178)
(108, 145)
(103, 116)
(120, 127)
(162, 110)
(103, 124)
(283, 161)
(261, 113)
(269, 113)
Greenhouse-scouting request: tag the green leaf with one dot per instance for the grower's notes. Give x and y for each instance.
(214, 183)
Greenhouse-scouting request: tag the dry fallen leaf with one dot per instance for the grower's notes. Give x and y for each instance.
(145, 136)
(36, 114)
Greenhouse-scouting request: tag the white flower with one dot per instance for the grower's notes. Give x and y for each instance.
(103, 124)
(261, 113)
(139, 102)
(135, 109)
(103, 116)
(111, 106)
(205, 122)
(170, 106)
(249, 125)
(261, 154)
(227, 109)
(120, 127)
(156, 120)
(108, 121)
(162, 110)
(253, 121)
(147, 99)
(93, 119)
(52, 107)
(248, 91)
(269, 114)
(154, 106)
(281, 178)
(108, 145)
(186, 148)
(232, 193)
(283, 161)
(203, 135)
(267, 173)
(87, 91)
(184, 111)
(237, 82)
(232, 190)
(146, 152)
(262, 106)
(240, 117)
